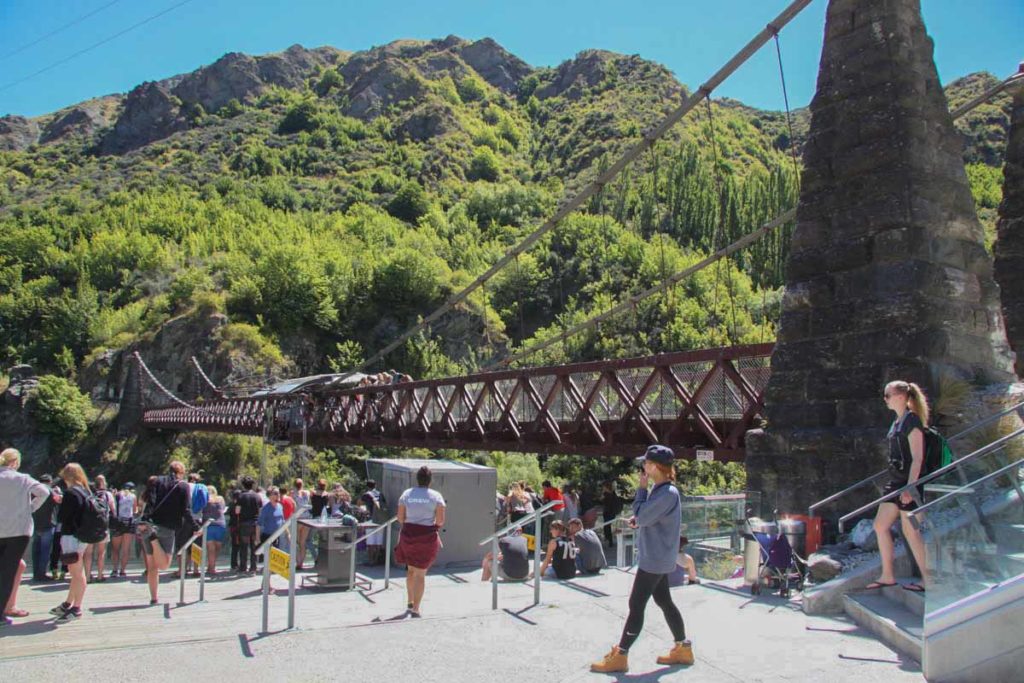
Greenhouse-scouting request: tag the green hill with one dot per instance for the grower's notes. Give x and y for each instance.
(317, 202)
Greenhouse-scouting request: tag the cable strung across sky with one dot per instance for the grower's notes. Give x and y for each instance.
(648, 140)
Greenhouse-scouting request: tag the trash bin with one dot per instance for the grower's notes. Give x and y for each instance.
(795, 531)
(752, 547)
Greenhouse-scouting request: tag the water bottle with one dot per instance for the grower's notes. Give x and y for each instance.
(323, 515)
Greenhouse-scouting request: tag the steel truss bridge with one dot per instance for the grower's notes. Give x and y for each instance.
(699, 402)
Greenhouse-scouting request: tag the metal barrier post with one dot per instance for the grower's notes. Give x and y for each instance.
(182, 563)
(387, 554)
(266, 590)
(536, 558)
(494, 573)
(202, 568)
(620, 548)
(293, 531)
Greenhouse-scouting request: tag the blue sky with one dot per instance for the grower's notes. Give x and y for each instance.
(692, 37)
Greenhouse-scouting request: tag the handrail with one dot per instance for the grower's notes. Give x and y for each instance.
(965, 487)
(183, 561)
(911, 487)
(612, 521)
(194, 537)
(273, 537)
(534, 517)
(518, 523)
(376, 529)
(878, 475)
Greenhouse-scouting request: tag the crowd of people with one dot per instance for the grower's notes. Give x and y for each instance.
(82, 531)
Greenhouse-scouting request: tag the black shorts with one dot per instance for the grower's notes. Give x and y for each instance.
(896, 485)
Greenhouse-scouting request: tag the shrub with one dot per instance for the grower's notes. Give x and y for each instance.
(301, 116)
(410, 202)
(484, 166)
(60, 410)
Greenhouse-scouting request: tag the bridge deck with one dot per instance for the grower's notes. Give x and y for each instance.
(694, 401)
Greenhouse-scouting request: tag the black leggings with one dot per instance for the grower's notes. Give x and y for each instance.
(11, 550)
(644, 586)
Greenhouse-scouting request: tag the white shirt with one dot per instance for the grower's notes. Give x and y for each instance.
(20, 496)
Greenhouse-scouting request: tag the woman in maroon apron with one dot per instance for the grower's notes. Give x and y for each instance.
(421, 512)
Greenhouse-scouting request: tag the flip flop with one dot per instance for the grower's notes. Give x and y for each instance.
(16, 613)
(914, 588)
(877, 585)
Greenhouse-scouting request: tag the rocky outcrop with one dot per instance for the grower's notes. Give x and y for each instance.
(389, 82)
(233, 76)
(17, 133)
(426, 122)
(1009, 246)
(150, 113)
(80, 121)
(495, 64)
(585, 71)
(18, 428)
(888, 277)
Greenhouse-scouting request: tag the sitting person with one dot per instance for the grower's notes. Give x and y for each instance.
(686, 569)
(560, 560)
(513, 559)
(590, 557)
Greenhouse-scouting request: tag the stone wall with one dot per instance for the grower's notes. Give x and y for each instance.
(888, 276)
(1009, 247)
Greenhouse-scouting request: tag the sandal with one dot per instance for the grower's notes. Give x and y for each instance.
(877, 585)
(914, 588)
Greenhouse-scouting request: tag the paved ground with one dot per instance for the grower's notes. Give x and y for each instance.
(357, 635)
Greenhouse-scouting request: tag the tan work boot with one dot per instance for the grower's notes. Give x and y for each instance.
(613, 662)
(682, 653)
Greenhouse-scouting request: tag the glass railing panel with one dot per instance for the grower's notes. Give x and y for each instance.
(973, 469)
(718, 520)
(974, 536)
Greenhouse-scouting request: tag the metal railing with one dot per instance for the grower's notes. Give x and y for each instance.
(970, 487)
(291, 527)
(884, 473)
(387, 549)
(535, 516)
(184, 559)
(915, 492)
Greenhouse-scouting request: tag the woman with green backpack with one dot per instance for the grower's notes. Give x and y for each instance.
(906, 439)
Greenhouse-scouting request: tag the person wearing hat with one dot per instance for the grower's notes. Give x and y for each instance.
(122, 531)
(656, 517)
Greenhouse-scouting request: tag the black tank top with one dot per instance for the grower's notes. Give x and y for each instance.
(564, 560)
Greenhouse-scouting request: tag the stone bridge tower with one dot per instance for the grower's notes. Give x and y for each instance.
(888, 277)
(1009, 247)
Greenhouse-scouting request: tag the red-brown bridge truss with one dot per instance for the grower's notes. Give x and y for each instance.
(696, 400)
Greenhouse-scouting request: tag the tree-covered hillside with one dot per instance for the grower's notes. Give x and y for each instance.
(319, 202)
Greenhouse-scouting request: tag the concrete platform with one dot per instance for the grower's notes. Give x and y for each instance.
(361, 634)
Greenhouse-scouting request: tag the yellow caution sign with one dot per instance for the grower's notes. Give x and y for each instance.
(197, 554)
(279, 562)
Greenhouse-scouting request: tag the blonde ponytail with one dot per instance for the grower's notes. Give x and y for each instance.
(918, 403)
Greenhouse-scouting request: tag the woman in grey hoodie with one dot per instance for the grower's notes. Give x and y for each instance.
(656, 516)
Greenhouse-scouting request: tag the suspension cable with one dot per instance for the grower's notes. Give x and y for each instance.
(647, 293)
(589, 190)
(778, 221)
(789, 115)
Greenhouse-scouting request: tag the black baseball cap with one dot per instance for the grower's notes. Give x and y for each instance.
(657, 453)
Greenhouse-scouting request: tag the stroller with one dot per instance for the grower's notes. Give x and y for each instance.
(779, 566)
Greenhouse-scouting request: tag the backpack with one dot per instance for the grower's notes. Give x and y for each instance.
(200, 497)
(937, 453)
(94, 523)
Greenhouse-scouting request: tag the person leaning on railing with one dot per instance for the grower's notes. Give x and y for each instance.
(906, 460)
(656, 517)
